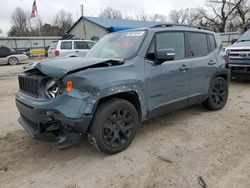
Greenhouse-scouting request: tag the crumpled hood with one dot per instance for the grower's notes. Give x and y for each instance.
(59, 67)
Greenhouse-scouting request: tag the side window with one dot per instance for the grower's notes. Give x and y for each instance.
(198, 45)
(4, 52)
(80, 45)
(66, 45)
(91, 44)
(174, 40)
(1, 52)
(212, 42)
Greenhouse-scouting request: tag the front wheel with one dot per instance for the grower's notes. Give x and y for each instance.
(114, 126)
(13, 61)
(218, 94)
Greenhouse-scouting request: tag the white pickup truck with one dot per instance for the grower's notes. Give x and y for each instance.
(239, 56)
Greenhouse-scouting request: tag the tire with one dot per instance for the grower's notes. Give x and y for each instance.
(114, 126)
(218, 94)
(13, 61)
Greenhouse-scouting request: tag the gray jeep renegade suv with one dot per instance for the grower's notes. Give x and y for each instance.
(126, 78)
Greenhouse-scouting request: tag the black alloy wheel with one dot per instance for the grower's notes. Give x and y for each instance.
(114, 125)
(218, 94)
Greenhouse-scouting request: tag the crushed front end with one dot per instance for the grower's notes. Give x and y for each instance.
(50, 112)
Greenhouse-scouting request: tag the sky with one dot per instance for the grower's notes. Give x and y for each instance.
(48, 8)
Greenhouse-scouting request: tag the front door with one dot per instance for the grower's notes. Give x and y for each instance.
(168, 83)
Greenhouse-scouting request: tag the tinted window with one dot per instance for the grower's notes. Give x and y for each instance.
(198, 45)
(91, 44)
(80, 45)
(4, 52)
(66, 45)
(212, 42)
(174, 40)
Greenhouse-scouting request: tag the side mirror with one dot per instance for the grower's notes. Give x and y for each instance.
(165, 54)
(233, 41)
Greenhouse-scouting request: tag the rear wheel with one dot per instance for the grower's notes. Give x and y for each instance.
(114, 126)
(218, 94)
(13, 61)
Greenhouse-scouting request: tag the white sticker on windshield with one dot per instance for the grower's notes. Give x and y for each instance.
(135, 34)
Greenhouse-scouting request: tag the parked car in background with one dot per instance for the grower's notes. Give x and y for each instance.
(9, 56)
(70, 48)
(239, 56)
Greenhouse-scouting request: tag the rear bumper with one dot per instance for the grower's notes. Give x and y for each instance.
(52, 126)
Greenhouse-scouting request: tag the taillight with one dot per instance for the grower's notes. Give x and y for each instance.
(57, 53)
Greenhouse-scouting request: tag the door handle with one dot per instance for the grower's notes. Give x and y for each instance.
(183, 67)
(77, 51)
(211, 62)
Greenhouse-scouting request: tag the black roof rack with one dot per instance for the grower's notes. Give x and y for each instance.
(181, 25)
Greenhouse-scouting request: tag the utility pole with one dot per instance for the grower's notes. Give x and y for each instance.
(82, 10)
(82, 17)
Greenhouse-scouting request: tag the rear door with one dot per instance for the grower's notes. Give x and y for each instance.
(168, 83)
(201, 52)
(81, 48)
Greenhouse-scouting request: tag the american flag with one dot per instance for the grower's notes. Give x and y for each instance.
(34, 10)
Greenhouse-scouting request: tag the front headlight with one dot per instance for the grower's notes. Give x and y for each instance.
(51, 88)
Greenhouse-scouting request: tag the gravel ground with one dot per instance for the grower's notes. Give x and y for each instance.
(179, 149)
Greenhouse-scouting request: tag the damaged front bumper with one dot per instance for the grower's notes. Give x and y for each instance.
(52, 125)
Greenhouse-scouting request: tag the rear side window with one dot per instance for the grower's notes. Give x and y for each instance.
(91, 44)
(4, 52)
(66, 45)
(212, 42)
(174, 40)
(80, 45)
(198, 45)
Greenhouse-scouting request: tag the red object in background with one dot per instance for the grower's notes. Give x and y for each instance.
(34, 10)
(57, 53)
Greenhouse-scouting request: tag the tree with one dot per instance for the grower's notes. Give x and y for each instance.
(19, 21)
(63, 21)
(221, 13)
(157, 18)
(186, 16)
(242, 12)
(111, 13)
(142, 16)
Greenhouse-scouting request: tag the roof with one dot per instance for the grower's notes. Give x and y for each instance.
(31, 38)
(108, 23)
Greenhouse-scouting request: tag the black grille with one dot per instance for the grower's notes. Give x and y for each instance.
(29, 85)
(240, 50)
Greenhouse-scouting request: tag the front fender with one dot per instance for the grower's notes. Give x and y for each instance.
(117, 89)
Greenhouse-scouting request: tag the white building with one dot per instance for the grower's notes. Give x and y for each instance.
(93, 28)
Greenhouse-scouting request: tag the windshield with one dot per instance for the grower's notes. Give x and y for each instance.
(245, 36)
(121, 45)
